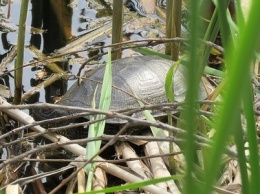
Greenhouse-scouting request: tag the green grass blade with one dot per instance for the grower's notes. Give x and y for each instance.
(104, 103)
(224, 26)
(97, 129)
(136, 185)
(238, 136)
(238, 59)
(147, 51)
(215, 72)
(252, 140)
(169, 90)
(189, 112)
(105, 98)
(157, 132)
(91, 148)
(210, 35)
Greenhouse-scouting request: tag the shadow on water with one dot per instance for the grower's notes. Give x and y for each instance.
(54, 17)
(51, 24)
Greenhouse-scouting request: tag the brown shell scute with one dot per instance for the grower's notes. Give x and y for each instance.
(142, 76)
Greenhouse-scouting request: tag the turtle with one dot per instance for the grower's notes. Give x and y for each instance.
(133, 78)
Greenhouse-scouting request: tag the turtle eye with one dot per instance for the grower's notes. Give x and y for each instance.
(47, 111)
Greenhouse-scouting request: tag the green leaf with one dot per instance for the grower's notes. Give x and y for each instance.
(97, 129)
(169, 89)
(136, 185)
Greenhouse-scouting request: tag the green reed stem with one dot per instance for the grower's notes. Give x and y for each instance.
(18, 74)
(189, 113)
(173, 27)
(117, 26)
(238, 59)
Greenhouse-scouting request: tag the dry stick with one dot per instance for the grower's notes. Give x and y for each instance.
(47, 121)
(148, 40)
(110, 114)
(84, 141)
(117, 27)
(8, 59)
(78, 150)
(111, 142)
(257, 113)
(51, 65)
(25, 180)
(96, 160)
(116, 87)
(34, 90)
(117, 171)
(32, 151)
(64, 181)
(58, 74)
(125, 150)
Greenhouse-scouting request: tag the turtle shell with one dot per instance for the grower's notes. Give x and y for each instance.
(140, 77)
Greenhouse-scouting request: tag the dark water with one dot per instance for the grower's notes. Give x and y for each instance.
(62, 21)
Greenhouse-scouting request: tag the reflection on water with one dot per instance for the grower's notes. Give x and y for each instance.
(55, 18)
(61, 21)
(51, 24)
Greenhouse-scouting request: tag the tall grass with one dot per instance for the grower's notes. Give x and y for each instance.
(193, 78)
(238, 94)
